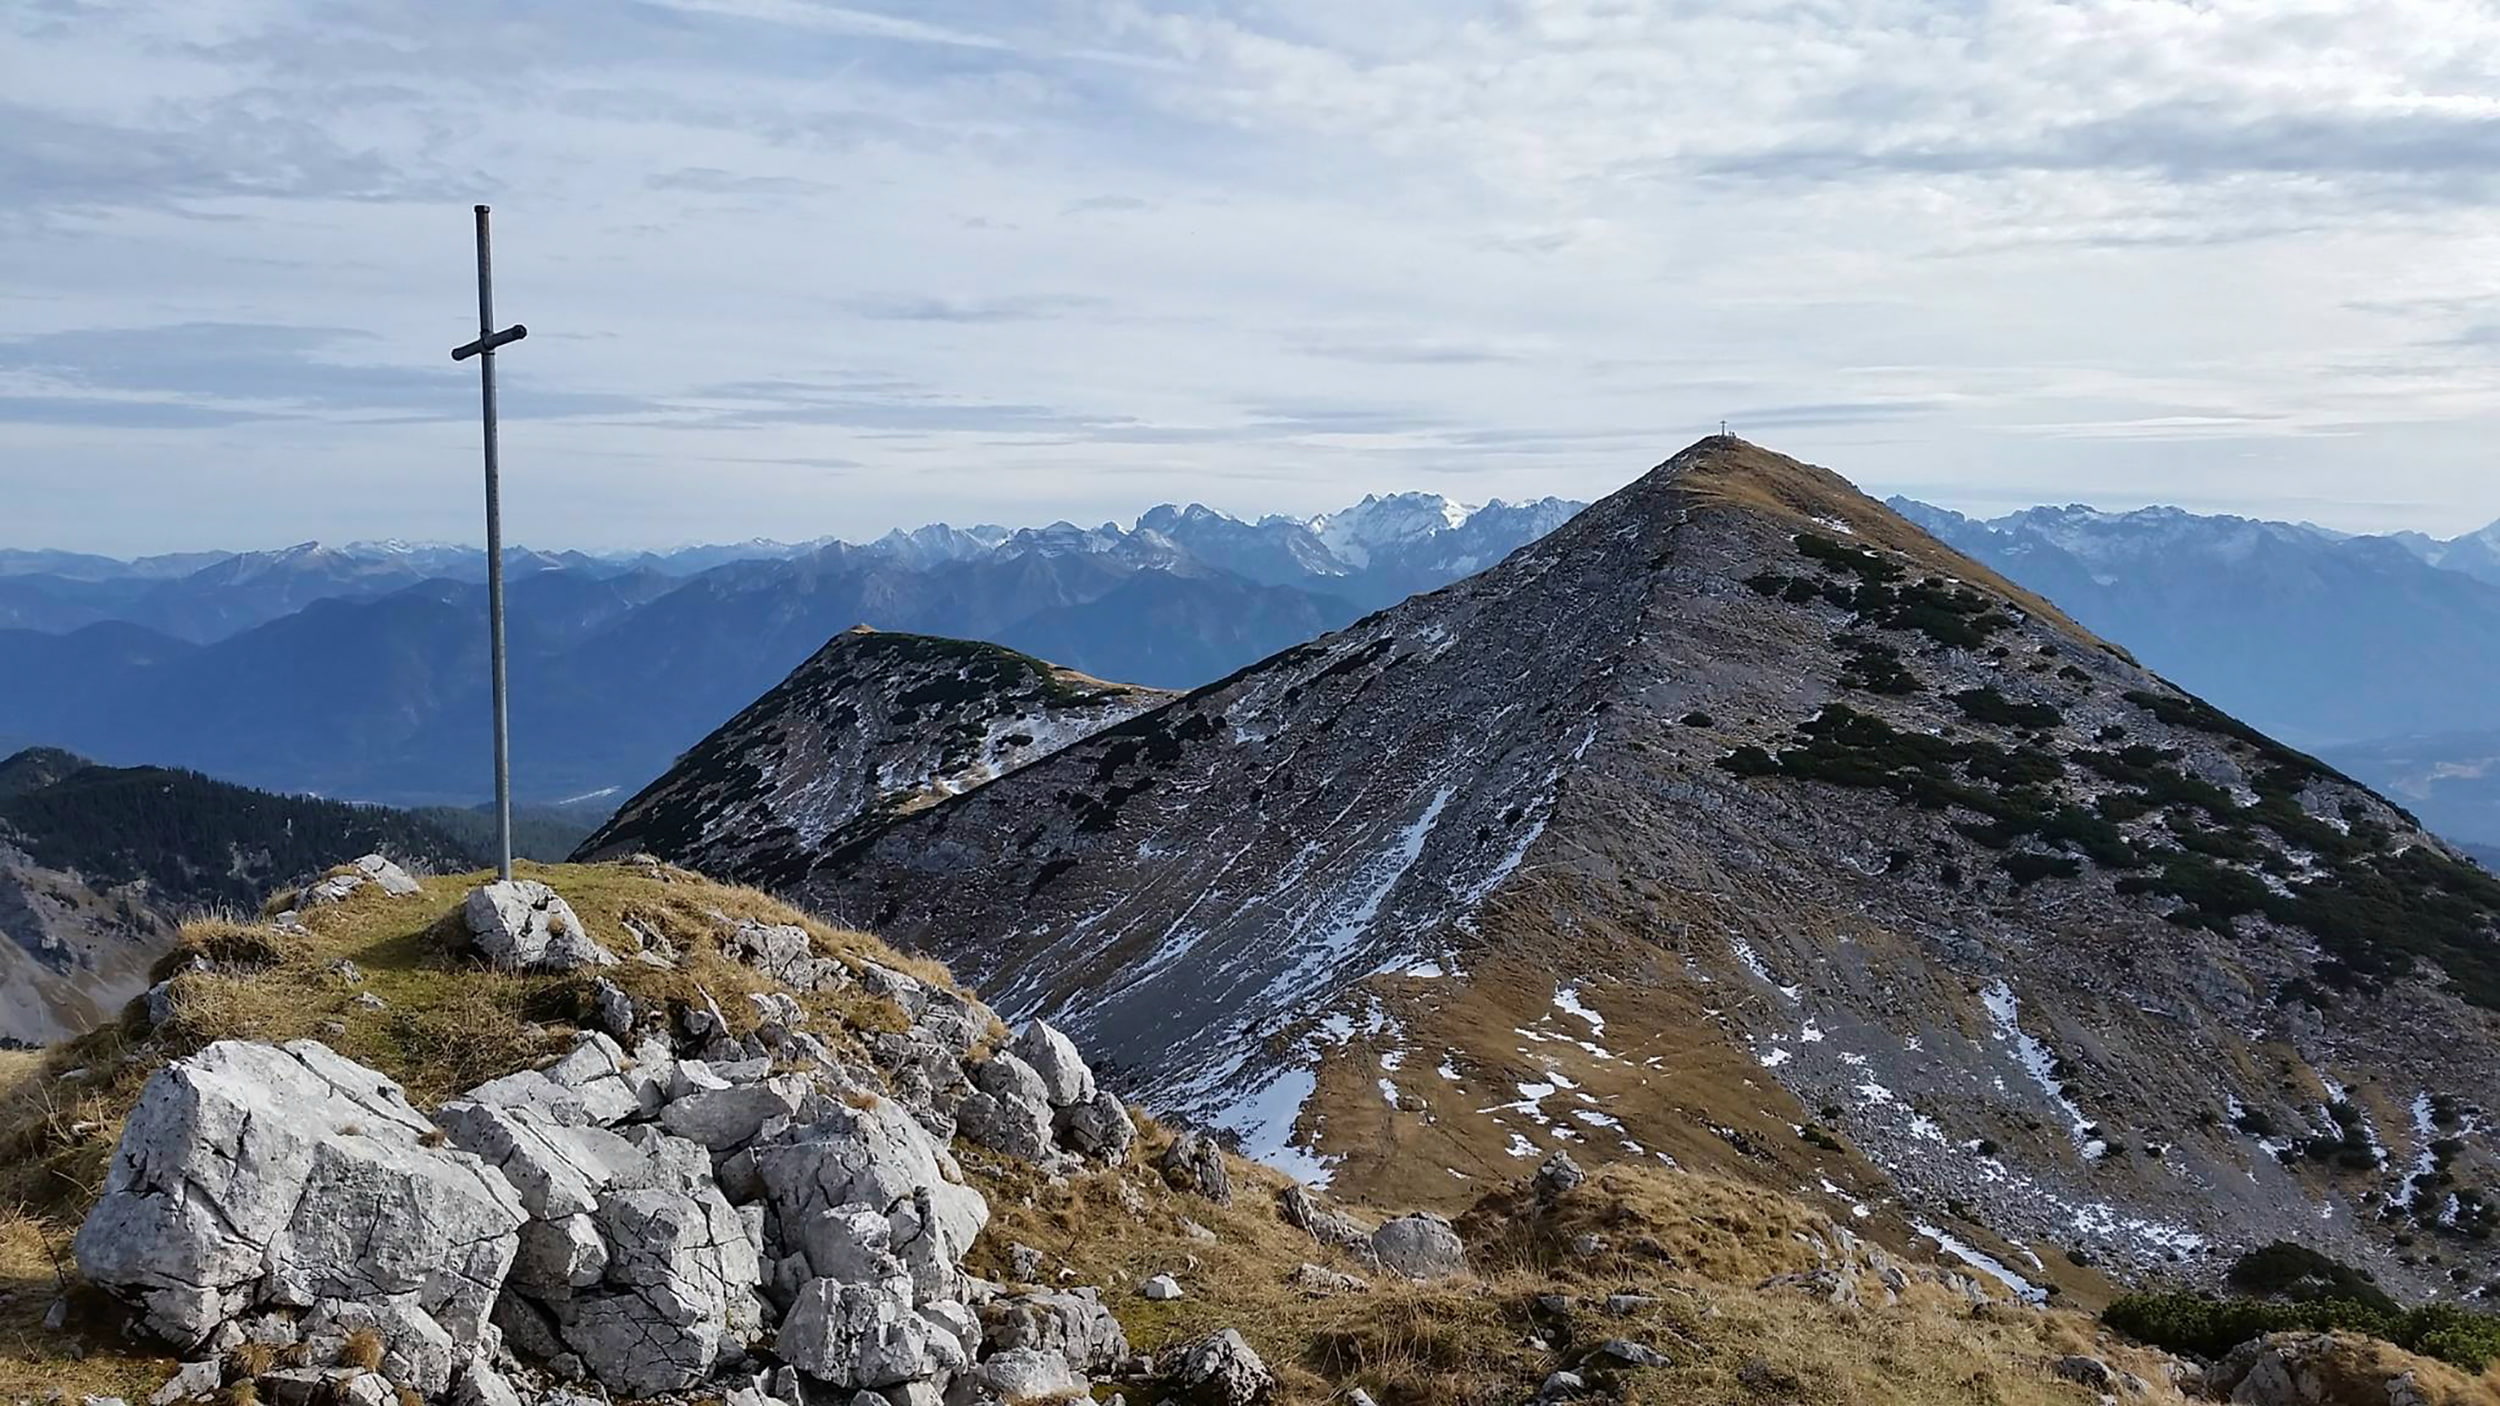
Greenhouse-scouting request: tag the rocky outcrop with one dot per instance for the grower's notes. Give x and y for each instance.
(1297, 1207)
(2311, 1369)
(1037, 1100)
(1194, 1163)
(252, 1176)
(371, 871)
(523, 925)
(660, 1221)
(1221, 1370)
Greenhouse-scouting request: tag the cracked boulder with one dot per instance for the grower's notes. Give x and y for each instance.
(1194, 1163)
(1098, 1128)
(1221, 1370)
(1066, 1079)
(1072, 1323)
(253, 1175)
(676, 1296)
(862, 1150)
(1009, 1110)
(784, 952)
(523, 925)
(870, 1336)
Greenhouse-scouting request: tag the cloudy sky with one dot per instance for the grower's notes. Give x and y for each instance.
(798, 268)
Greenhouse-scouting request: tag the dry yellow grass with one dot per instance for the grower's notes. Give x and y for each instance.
(34, 1256)
(1698, 1247)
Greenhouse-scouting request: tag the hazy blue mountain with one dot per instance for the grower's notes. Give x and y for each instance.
(2476, 553)
(1172, 631)
(2451, 780)
(377, 689)
(235, 591)
(1274, 551)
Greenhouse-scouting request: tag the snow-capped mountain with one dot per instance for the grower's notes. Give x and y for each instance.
(2476, 554)
(1393, 521)
(1369, 555)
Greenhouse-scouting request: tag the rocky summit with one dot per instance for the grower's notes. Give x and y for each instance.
(1741, 825)
(873, 726)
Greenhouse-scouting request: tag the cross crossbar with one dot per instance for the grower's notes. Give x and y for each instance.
(507, 336)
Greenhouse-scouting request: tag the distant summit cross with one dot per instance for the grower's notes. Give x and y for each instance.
(484, 350)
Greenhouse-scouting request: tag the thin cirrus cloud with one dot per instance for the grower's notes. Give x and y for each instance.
(212, 374)
(1258, 253)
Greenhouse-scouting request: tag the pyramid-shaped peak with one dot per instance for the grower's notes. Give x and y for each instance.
(1735, 805)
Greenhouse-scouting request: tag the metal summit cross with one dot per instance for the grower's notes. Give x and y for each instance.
(484, 350)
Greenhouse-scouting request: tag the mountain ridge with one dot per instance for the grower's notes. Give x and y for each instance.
(2357, 647)
(1738, 731)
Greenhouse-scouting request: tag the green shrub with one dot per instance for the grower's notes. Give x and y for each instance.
(2293, 1271)
(2029, 868)
(1749, 761)
(1987, 705)
(2457, 1336)
(2309, 1293)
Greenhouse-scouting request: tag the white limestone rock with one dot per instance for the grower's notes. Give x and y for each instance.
(252, 1174)
(1222, 1370)
(726, 1119)
(1099, 1128)
(1071, 1322)
(1420, 1246)
(558, 1170)
(1054, 1057)
(523, 925)
(876, 1155)
(676, 1295)
(372, 870)
(1027, 1374)
(863, 1336)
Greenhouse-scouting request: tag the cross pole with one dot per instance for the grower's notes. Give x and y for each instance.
(484, 350)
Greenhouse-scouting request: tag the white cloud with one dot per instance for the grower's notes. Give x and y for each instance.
(1070, 258)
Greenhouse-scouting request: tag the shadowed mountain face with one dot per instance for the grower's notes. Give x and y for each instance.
(872, 726)
(1741, 806)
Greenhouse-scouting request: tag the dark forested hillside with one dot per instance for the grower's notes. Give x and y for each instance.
(193, 839)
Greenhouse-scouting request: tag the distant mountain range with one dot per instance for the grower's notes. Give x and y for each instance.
(2380, 653)
(360, 671)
